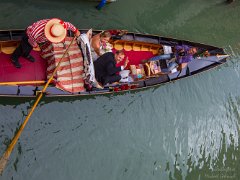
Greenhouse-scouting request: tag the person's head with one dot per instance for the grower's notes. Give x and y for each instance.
(105, 36)
(119, 56)
(55, 30)
(192, 50)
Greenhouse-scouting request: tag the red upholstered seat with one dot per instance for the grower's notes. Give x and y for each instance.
(136, 57)
(28, 72)
(37, 71)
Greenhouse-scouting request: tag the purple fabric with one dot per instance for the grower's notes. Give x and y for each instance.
(187, 57)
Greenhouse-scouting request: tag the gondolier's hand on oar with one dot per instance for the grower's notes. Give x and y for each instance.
(77, 33)
(37, 48)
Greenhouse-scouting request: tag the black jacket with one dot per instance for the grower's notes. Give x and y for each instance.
(105, 66)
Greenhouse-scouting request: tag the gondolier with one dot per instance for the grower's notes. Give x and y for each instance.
(53, 30)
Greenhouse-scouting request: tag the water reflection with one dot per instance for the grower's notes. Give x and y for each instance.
(143, 131)
(213, 146)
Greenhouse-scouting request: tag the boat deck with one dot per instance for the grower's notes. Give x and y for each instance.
(37, 71)
(28, 72)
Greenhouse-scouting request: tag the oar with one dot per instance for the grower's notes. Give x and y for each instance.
(5, 157)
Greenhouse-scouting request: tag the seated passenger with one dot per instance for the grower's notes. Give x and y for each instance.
(183, 54)
(100, 45)
(105, 67)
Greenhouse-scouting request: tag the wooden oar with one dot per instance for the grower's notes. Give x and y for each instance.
(5, 157)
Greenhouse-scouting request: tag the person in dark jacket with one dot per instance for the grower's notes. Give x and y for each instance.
(105, 67)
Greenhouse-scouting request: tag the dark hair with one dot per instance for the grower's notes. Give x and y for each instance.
(120, 52)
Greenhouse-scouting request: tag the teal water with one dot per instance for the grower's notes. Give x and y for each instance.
(188, 129)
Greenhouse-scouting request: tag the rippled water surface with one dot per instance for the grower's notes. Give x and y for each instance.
(188, 129)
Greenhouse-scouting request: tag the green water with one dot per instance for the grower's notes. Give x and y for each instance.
(188, 129)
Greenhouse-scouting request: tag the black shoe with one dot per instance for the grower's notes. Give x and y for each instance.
(30, 58)
(16, 63)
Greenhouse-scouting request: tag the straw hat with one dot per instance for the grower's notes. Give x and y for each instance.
(55, 30)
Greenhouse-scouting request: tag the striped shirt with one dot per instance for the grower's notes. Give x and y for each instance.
(36, 34)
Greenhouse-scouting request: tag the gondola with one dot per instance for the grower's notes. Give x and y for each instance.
(30, 79)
